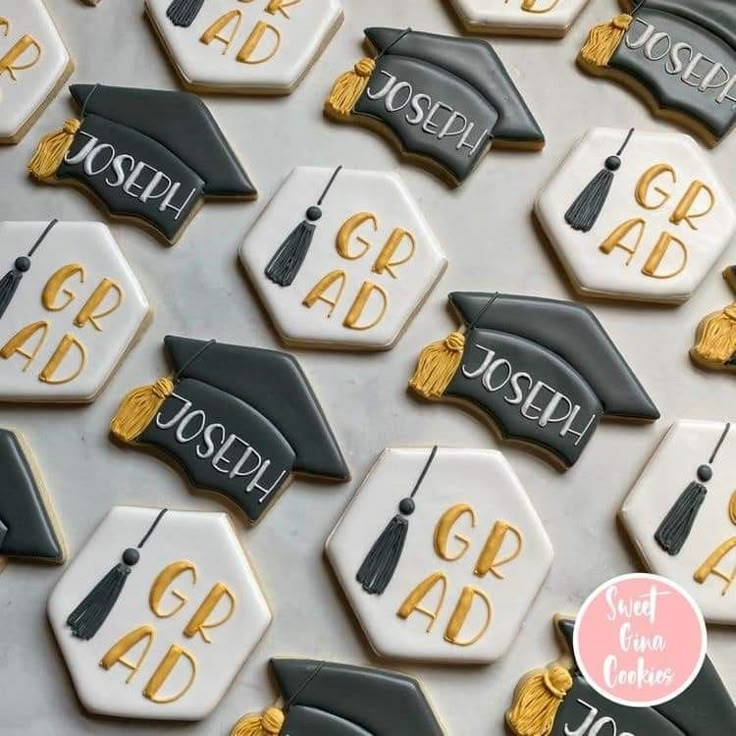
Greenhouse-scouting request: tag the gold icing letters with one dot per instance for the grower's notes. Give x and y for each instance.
(24, 54)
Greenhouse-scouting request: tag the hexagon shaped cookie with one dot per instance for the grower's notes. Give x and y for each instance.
(441, 554)
(258, 47)
(636, 215)
(550, 18)
(355, 275)
(188, 614)
(70, 307)
(681, 514)
(34, 64)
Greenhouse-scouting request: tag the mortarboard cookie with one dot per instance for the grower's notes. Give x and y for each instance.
(445, 100)
(157, 614)
(679, 55)
(70, 308)
(34, 65)
(558, 701)
(354, 271)
(239, 421)
(148, 154)
(332, 699)
(28, 527)
(440, 554)
(265, 48)
(636, 215)
(544, 371)
(715, 337)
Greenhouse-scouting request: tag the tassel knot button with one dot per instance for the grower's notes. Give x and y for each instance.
(22, 264)
(131, 556)
(314, 213)
(705, 473)
(613, 163)
(407, 506)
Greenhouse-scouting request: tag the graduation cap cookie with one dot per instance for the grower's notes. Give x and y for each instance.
(680, 54)
(446, 100)
(27, 524)
(239, 421)
(149, 154)
(332, 699)
(544, 371)
(558, 701)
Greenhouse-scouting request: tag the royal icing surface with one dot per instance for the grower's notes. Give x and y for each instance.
(371, 263)
(523, 17)
(666, 219)
(700, 552)
(34, 62)
(261, 46)
(189, 614)
(73, 315)
(474, 558)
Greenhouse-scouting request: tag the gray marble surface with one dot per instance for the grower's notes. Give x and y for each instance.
(198, 289)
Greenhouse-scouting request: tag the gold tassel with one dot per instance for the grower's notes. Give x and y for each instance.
(138, 408)
(268, 723)
(537, 700)
(349, 87)
(603, 40)
(717, 337)
(51, 150)
(437, 365)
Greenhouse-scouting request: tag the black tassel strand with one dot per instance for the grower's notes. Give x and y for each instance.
(9, 283)
(380, 563)
(183, 13)
(586, 209)
(288, 259)
(676, 526)
(87, 618)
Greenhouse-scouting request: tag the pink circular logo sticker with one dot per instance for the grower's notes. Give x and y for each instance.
(640, 640)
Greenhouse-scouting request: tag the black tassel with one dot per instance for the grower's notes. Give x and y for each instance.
(9, 282)
(184, 12)
(285, 265)
(675, 528)
(586, 209)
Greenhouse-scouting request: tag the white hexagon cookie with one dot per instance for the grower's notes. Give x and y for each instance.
(637, 216)
(550, 18)
(441, 554)
(356, 269)
(188, 614)
(258, 47)
(70, 307)
(681, 514)
(34, 64)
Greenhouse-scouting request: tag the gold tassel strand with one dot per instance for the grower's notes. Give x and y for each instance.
(138, 409)
(51, 150)
(437, 365)
(537, 700)
(717, 341)
(268, 723)
(604, 39)
(349, 87)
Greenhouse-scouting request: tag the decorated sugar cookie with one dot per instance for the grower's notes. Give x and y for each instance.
(70, 308)
(342, 258)
(558, 701)
(544, 371)
(446, 100)
(146, 154)
(715, 338)
(680, 55)
(157, 614)
(239, 421)
(262, 47)
(34, 64)
(549, 18)
(441, 554)
(636, 215)
(681, 514)
(332, 699)
(28, 529)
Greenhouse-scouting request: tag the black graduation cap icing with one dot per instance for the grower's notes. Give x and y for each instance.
(444, 98)
(26, 524)
(239, 420)
(342, 700)
(681, 53)
(544, 371)
(149, 154)
(704, 709)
